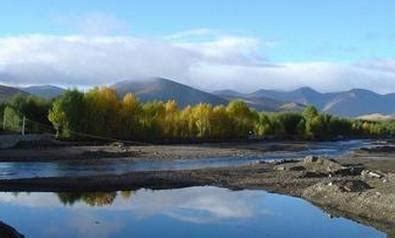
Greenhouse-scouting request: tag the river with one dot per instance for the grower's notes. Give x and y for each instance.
(16, 170)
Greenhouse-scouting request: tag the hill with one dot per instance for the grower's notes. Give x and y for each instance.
(260, 102)
(7, 92)
(45, 91)
(148, 89)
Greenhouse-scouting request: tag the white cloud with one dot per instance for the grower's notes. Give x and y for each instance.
(193, 35)
(214, 61)
(205, 204)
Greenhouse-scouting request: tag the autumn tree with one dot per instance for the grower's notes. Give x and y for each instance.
(151, 119)
(201, 114)
(102, 112)
(171, 119)
(130, 114)
(221, 122)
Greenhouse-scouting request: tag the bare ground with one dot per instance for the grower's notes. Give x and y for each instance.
(151, 152)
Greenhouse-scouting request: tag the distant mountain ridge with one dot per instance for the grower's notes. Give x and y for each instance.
(352, 103)
(45, 91)
(261, 103)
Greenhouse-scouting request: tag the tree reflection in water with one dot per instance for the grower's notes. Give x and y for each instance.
(93, 199)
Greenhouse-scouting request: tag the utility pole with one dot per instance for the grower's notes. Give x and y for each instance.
(23, 125)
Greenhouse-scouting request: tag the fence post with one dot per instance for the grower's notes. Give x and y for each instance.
(23, 125)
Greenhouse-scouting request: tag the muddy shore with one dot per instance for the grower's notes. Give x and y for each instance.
(360, 186)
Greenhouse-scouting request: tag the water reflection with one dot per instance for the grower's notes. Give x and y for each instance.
(188, 212)
(91, 199)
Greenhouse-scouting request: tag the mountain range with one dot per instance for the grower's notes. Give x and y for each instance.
(352, 103)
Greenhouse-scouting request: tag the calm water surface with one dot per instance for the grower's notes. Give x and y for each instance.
(188, 212)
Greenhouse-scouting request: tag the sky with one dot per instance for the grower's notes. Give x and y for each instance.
(240, 45)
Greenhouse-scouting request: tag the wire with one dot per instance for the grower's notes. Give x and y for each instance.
(91, 135)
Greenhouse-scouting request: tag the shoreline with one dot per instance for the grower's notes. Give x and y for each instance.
(341, 187)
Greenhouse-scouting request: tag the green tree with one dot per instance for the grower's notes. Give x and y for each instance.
(289, 123)
(243, 118)
(35, 109)
(68, 112)
(310, 115)
(12, 119)
(263, 126)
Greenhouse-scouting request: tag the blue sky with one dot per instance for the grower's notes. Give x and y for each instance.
(342, 32)
(304, 29)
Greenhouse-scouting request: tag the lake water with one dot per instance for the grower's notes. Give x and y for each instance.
(119, 166)
(187, 212)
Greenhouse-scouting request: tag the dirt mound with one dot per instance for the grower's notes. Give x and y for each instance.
(314, 165)
(322, 164)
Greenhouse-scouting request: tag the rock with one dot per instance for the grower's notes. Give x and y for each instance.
(378, 149)
(352, 185)
(281, 161)
(117, 144)
(309, 174)
(349, 171)
(310, 159)
(371, 174)
(279, 168)
(7, 231)
(296, 168)
(289, 167)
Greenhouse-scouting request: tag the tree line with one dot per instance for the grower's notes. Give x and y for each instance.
(101, 112)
